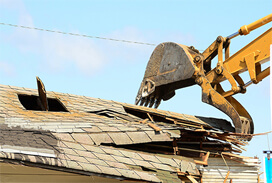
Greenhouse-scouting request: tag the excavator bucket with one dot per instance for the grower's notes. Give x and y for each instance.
(171, 66)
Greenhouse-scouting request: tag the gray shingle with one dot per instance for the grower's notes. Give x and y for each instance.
(131, 154)
(90, 167)
(168, 161)
(92, 129)
(82, 138)
(148, 176)
(128, 173)
(149, 157)
(117, 165)
(85, 154)
(73, 145)
(109, 129)
(104, 157)
(109, 170)
(99, 138)
(123, 160)
(158, 136)
(143, 163)
(113, 151)
(162, 167)
(138, 137)
(64, 136)
(73, 165)
(93, 148)
(76, 158)
(120, 138)
(96, 161)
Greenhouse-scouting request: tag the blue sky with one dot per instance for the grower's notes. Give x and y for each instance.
(113, 70)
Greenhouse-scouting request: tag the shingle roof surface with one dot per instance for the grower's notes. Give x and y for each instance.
(81, 139)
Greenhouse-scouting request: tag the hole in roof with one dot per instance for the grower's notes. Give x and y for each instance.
(143, 115)
(32, 102)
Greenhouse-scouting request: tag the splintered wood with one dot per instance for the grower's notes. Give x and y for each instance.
(202, 139)
(155, 127)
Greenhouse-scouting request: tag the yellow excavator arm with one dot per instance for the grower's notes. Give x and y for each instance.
(173, 66)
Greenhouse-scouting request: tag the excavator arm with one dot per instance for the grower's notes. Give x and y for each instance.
(173, 66)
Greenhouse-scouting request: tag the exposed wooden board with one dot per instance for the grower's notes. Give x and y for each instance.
(144, 121)
(155, 127)
(191, 179)
(226, 178)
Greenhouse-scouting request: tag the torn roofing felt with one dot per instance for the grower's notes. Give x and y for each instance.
(107, 138)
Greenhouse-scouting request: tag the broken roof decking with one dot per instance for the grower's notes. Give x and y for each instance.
(82, 115)
(80, 139)
(71, 139)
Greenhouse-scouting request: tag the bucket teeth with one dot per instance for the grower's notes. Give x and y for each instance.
(137, 101)
(157, 103)
(152, 101)
(170, 67)
(147, 101)
(142, 101)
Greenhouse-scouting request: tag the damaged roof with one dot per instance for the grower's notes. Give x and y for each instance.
(100, 137)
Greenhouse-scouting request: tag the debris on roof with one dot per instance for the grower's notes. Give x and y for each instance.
(92, 136)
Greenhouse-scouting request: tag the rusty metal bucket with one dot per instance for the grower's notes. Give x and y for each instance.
(171, 66)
